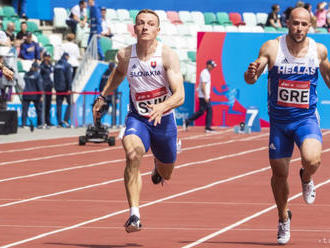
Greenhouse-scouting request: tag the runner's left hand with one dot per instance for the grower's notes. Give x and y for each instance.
(156, 112)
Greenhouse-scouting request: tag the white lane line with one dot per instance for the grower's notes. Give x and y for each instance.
(122, 179)
(38, 147)
(105, 162)
(145, 205)
(58, 156)
(242, 221)
(42, 235)
(169, 228)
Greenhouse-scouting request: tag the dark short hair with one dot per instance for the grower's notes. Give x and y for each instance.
(149, 11)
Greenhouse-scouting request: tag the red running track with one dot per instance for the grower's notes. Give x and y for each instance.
(55, 193)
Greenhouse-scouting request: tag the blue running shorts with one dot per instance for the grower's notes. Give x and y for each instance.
(282, 136)
(161, 138)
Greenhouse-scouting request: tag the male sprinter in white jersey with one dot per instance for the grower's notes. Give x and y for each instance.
(293, 61)
(156, 88)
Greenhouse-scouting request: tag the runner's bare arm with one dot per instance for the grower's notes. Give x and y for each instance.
(256, 68)
(172, 66)
(116, 77)
(324, 63)
(118, 74)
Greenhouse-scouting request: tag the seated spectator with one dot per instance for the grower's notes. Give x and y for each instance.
(308, 7)
(321, 15)
(328, 21)
(21, 35)
(77, 15)
(72, 49)
(273, 19)
(285, 16)
(10, 32)
(4, 40)
(106, 29)
(30, 49)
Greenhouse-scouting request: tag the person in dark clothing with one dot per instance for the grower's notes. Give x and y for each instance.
(103, 82)
(63, 87)
(46, 68)
(33, 83)
(274, 17)
(96, 25)
(21, 35)
(30, 49)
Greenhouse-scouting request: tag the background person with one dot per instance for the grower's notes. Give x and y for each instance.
(63, 87)
(204, 93)
(33, 83)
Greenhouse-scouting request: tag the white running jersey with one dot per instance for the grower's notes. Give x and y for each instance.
(148, 81)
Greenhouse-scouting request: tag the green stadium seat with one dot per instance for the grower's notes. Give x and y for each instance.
(321, 30)
(110, 55)
(192, 55)
(1, 12)
(269, 29)
(8, 12)
(106, 44)
(223, 18)
(282, 30)
(20, 66)
(210, 18)
(133, 13)
(43, 39)
(33, 27)
(50, 49)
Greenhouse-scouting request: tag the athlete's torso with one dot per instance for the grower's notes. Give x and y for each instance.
(292, 83)
(148, 81)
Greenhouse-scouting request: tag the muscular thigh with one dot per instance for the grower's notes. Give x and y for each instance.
(281, 141)
(164, 139)
(308, 137)
(138, 127)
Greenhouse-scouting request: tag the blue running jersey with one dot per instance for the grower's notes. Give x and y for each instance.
(292, 84)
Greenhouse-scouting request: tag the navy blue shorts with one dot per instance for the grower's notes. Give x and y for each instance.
(161, 138)
(282, 136)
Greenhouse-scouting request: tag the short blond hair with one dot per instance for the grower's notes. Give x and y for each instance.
(148, 11)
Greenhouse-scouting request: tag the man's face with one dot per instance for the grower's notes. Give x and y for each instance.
(29, 38)
(147, 26)
(103, 13)
(298, 25)
(23, 27)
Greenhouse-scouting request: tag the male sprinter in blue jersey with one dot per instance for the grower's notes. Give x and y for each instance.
(156, 88)
(293, 61)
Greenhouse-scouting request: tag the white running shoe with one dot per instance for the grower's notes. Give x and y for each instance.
(283, 234)
(308, 189)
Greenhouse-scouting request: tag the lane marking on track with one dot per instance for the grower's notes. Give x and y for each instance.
(115, 148)
(122, 179)
(38, 147)
(42, 235)
(59, 156)
(242, 221)
(168, 228)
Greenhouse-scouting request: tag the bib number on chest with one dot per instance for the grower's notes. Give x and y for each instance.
(293, 93)
(143, 99)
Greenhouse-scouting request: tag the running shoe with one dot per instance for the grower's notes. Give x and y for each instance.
(155, 177)
(283, 234)
(209, 130)
(133, 224)
(308, 189)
